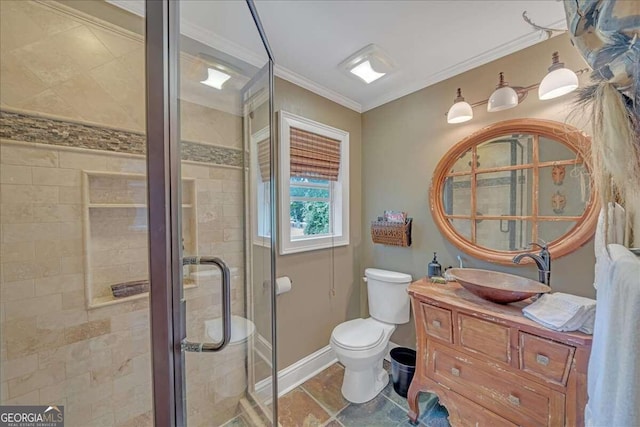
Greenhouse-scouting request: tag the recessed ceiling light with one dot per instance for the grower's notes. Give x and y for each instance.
(366, 72)
(368, 64)
(215, 78)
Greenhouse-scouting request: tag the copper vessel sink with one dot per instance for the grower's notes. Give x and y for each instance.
(498, 287)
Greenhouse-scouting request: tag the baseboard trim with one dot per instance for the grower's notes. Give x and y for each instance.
(299, 372)
(263, 348)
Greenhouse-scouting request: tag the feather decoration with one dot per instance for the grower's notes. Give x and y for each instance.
(615, 146)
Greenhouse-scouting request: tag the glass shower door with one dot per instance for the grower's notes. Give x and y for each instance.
(224, 118)
(102, 196)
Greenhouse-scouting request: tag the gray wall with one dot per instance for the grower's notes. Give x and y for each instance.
(404, 140)
(308, 313)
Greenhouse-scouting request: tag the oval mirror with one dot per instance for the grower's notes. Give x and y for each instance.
(512, 183)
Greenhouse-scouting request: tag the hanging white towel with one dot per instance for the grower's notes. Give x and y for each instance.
(615, 235)
(613, 381)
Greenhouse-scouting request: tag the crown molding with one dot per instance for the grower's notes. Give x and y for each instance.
(500, 51)
(225, 45)
(210, 38)
(133, 6)
(316, 88)
(201, 35)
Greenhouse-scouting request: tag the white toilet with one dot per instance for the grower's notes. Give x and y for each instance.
(361, 344)
(229, 376)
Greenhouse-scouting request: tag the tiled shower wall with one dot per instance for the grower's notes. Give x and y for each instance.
(72, 99)
(95, 362)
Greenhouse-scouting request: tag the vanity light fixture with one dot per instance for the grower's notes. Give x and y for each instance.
(215, 78)
(559, 81)
(368, 64)
(460, 111)
(503, 98)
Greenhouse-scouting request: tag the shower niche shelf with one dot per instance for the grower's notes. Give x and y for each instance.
(115, 232)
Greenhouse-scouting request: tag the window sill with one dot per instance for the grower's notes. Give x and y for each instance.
(263, 241)
(307, 245)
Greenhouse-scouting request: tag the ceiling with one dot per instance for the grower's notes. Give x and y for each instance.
(429, 41)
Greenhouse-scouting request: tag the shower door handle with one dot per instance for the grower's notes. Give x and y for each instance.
(226, 306)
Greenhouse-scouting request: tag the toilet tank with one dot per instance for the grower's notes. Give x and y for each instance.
(388, 298)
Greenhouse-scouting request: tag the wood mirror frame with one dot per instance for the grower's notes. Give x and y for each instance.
(576, 140)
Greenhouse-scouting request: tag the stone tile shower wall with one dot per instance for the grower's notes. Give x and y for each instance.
(55, 350)
(72, 100)
(96, 362)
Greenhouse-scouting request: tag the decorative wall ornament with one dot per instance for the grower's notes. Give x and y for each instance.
(557, 174)
(607, 35)
(477, 161)
(558, 202)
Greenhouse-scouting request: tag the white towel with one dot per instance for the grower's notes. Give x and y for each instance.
(615, 235)
(613, 380)
(561, 312)
(633, 221)
(587, 325)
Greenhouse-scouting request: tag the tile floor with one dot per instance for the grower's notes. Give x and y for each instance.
(319, 402)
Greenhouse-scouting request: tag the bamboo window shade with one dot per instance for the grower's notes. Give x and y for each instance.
(264, 160)
(314, 156)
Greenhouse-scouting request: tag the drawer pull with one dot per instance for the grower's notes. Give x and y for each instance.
(514, 400)
(542, 360)
(436, 323)
(455, 372)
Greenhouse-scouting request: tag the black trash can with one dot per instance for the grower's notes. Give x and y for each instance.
(403, 366)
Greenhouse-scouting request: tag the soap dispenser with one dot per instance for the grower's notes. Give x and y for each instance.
(435, 269)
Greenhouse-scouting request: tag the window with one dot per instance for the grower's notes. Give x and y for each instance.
(314, 185)
(261, 187)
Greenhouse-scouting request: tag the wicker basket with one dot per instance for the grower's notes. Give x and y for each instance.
(391, 233)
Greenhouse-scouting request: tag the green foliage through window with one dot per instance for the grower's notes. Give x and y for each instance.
(310, 206)
(316, 218)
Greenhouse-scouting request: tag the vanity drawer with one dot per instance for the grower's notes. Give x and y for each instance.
(514, 398)
(465, 413)
(485, 337)
(544, 358)
(437, 322)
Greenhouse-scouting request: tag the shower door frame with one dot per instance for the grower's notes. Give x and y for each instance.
(163, 177)
(167, 309)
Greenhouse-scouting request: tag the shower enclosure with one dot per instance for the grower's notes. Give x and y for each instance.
(133, 290)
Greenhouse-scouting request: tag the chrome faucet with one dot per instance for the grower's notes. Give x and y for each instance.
(542, 260)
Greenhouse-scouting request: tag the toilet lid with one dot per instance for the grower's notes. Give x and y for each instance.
(241, 329)
(358, 334)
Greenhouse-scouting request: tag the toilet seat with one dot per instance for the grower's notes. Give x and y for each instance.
(358, 334)
(241, 329)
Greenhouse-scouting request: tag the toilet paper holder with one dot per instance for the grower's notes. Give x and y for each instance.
(283, 284)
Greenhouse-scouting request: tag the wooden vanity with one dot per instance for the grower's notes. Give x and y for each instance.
(491, 366)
